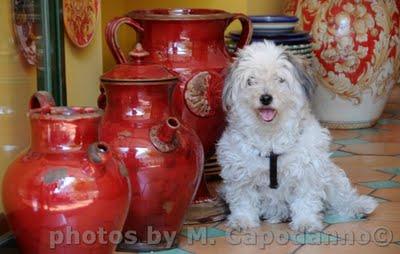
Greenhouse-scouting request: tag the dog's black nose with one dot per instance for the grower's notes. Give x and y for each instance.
(265, 99)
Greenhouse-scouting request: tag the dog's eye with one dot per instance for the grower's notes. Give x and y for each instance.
(250, 81)
(281, 80)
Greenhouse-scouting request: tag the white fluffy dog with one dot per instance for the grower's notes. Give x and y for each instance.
(266, 96)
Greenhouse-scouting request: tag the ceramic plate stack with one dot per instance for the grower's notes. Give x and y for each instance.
(281, 30)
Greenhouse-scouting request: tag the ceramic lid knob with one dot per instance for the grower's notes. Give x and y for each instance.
(139, 70)
(138, 53)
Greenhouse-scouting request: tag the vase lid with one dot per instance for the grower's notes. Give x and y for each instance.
(139, 70)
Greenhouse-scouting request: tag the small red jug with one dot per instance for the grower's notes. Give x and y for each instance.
(67, 186)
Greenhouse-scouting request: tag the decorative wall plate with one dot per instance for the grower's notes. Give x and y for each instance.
(26, 24)
(80, 19)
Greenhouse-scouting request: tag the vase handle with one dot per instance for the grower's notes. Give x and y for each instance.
(102, 99)
(247, 30)
(112, 36)
(41, 99)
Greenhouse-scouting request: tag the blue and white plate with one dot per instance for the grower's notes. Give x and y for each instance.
(286, 41)
(268, 35)
(274, 22)
(274, 19)
(296, 34)
(287, 38)
(300, 46)
(302, 51)
(273, 26)
(274, 30)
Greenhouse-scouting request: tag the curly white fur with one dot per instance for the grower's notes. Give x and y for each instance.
(309, 182)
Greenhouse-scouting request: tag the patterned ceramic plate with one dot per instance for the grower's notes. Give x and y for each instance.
(274, 30)
(286, 41)
(300, 46)
(274, 19)
(261, 26)
(80, 19)
(294, 34)
(297, 48)
(267, 34)
(26, 25)
(301, 51)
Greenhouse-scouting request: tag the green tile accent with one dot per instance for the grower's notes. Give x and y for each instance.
(208, 232)
(335, 218)
(340, 154)
(171, 251)
(382, 184)
(368, 131)
(313, 238)
(353, 141)
(388, 121)
(379, 200)
(393, 171)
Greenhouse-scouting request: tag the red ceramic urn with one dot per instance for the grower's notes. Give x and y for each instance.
(190, 42)
(164, 158)
(67, 187)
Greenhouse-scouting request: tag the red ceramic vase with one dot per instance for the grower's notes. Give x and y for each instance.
(190, 42)
(163, 157)
(67, 186)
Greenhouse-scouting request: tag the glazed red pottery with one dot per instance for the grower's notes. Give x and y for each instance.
(67, 186)
(190, 42)
(164, 158)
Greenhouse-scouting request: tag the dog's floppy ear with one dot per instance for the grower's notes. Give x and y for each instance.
(227, 93)
(306, 80)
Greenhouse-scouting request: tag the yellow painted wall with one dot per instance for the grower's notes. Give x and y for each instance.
(114, 8)
(262, 7)
(83, 66)
(17, 84)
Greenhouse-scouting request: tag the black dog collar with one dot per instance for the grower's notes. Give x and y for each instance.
(273, 170)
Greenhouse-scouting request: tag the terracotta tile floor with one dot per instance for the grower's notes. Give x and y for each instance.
(371, 158)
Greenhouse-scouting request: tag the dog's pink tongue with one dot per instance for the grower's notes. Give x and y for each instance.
(267, 114)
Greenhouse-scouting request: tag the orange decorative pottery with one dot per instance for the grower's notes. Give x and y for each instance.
(65, 182)
(357, 49)
(163, 157)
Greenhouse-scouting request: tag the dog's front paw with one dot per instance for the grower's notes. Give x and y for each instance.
(242, 221)
(306, 225)
(365, 205)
